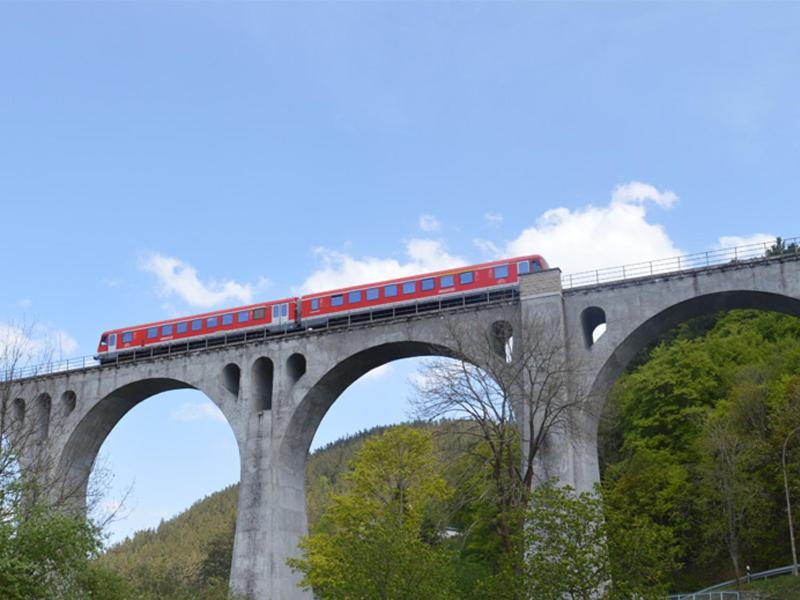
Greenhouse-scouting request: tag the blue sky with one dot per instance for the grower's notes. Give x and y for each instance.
(158, 159)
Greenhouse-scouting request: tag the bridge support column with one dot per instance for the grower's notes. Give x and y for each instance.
(570, 450)
(271, 513)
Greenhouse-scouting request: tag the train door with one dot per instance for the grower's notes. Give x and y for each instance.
(112, 342)
(280, 313)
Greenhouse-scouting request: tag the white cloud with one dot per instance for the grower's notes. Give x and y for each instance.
(198, 411)
(178, 277)
(493, 219)
(600, 236)
(25, 304)
(732, 241)
(377, 373)
(488, 248)
(638, 192)
(429, 223)
(30, 344)
(341, 269)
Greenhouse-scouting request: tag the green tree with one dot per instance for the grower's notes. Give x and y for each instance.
(781, 247)
(379, 539)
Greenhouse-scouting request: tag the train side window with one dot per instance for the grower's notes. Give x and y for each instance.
(181, 327)
(466, 278)
(354, 297)
(373, 293)
(523, 267)
(112, 339)
(500, 271)
(276, 311)
(390, 290)
(211, 322)
(315, 304)
(537, 266)
(337, 300)
(152, 332)
(409, 287)
(227, 319)
(197, 324)
(446, 281)
(259, 313)
(428, 284)
(284, 310)
(127, 337)
(166, 330)
(243, 316)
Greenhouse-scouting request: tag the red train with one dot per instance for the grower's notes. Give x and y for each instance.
(314, 310)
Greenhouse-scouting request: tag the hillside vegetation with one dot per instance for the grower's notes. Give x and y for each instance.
(690, 450)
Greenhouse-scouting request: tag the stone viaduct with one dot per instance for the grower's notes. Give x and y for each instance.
(275, 391)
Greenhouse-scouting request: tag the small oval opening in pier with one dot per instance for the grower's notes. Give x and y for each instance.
(262, 378)
(593, 323)
(231, 375)
(296, 366)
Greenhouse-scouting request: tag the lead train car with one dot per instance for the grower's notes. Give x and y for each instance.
(317, 309)
(314, 310)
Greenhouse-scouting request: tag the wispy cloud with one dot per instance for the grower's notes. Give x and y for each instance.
(176, 277)
(493, 219)
(198, 411)
(377, 373)
(429, 223)
(340, 269)
(731, 241)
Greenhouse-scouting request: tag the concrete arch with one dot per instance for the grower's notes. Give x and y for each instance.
(657, 325)
(83, 444)
(315, 403)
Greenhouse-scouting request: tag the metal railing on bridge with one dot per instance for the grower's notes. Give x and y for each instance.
(685, 262)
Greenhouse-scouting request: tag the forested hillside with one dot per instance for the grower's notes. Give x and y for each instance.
(690, 449)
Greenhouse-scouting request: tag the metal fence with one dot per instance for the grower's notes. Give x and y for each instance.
(675, 264)
(718, 591)
(727, 595)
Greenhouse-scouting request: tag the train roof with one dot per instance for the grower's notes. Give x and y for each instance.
(200, 315)
(453, 270)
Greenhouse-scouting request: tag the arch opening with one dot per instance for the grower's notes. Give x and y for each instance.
(699, 377)
(68, 402)
(327, 390)
(160, 434)
(296, 367)
(19, 412)
(654, 328)
(262, 374)
(593, 324)
(231, 378)
(502, 339)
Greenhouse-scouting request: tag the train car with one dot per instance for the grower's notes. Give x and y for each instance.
(274, 315)
(316, 309)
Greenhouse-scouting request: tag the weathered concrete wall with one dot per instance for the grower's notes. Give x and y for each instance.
(286, 385)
